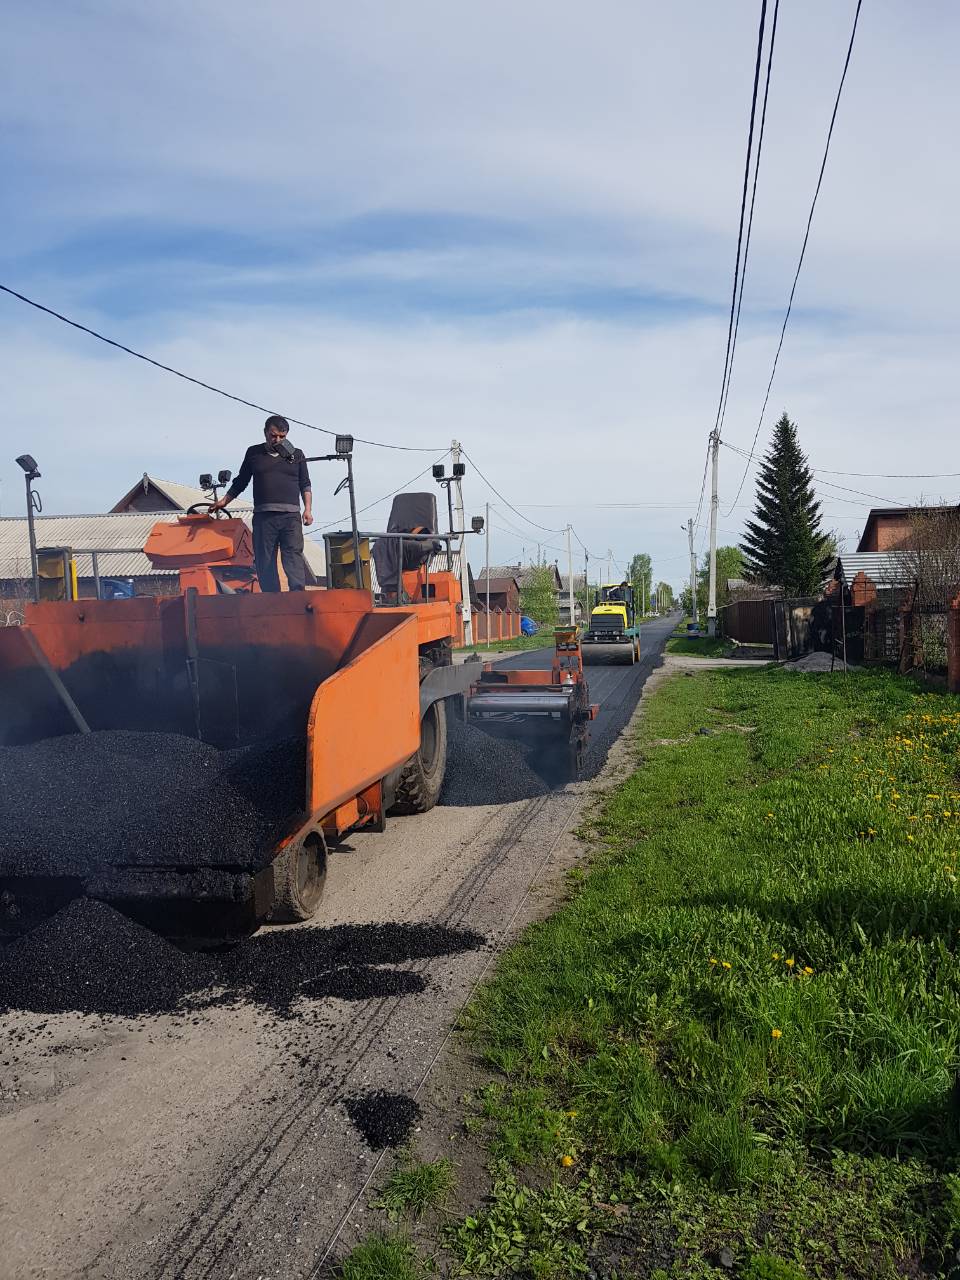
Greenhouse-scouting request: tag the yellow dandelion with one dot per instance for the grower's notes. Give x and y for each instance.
(911, 839)
(713, 960)
(790, 962)
(571, 1115)
(776, 955)
(776, 1033)
(566, 1161)
(726, 964)
(807, 969)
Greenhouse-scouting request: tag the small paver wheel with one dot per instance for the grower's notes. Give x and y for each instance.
(298, 878)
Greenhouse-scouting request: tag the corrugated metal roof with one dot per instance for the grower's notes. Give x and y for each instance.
(101, 532)
(883, 568)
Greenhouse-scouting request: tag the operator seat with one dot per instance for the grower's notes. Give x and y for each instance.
(410, 513)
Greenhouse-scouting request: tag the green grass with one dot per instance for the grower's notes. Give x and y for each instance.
(382, 1258)
(745, 1024)
(700, 646)
(415, 1186)
(543, 640)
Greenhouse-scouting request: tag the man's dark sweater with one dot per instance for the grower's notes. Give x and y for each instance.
(277, 483)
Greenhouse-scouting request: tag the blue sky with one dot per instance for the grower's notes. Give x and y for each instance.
(510, 224)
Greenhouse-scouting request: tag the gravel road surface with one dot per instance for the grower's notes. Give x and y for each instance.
(218, 1124)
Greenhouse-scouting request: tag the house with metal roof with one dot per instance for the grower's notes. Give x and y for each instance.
(105, 546)
(151, 494)
(887, 570)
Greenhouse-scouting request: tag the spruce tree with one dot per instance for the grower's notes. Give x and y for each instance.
(783, 543)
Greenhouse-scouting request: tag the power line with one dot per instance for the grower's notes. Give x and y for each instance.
(831, 484)
(865, 475)
(725, 395)
(392, 494)
(494, 489)
(806, 238)
(703, 486)
(728, 356)
(198, 382)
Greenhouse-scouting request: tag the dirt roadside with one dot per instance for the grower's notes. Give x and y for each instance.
(218, 1141)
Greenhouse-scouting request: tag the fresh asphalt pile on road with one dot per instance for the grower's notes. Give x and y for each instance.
(486, 770)
(71, 804)
(89, 958)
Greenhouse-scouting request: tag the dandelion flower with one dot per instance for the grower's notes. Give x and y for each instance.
(571, 1115)
(790, 962)
(726, 964)
(776, 1033)
(713, 960)
(566, 1161)
(807, 969)
(776, 955)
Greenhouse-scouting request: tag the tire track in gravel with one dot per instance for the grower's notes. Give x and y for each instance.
(612, 688)
(186, 1253)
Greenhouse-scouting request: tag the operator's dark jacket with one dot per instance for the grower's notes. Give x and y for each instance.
(277, 483)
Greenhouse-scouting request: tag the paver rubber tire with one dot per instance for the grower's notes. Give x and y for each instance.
(299, 874)
(421, 778)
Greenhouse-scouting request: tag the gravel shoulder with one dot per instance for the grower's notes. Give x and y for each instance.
(229, 1139)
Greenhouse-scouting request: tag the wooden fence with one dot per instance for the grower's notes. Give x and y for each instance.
(747, 621)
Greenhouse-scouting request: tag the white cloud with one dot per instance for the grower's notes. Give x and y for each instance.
(612, 137)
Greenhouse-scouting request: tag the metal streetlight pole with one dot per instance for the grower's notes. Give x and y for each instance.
(32, 472)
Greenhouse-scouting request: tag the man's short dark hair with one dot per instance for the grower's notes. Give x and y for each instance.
(275, 421)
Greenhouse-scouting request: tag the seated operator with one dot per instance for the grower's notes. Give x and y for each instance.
(280, 479)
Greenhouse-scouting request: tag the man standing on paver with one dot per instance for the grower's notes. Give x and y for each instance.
(280, 479)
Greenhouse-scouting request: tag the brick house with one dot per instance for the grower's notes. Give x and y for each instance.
(891, 528)
(504, 587)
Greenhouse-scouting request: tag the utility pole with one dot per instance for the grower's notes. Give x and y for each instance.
(714, 504)
(573, 619)
(461, 529)
(693, 573)
(486, 526)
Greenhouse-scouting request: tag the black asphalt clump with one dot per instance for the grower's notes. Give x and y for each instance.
(485, 770)
(73, 804)
(364, 983)
(382, 1119)
(91, 959)
(278, 968)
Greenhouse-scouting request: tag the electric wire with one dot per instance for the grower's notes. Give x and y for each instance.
(728, 355)
(703, 487)
(376, 502)
(505, 501)
(806, 239)
(864, 475)
(830, 484)
(725, 395)
(198, 382)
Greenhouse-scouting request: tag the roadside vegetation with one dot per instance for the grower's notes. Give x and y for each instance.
(698, 646)
(542, 640)
(734, 1050)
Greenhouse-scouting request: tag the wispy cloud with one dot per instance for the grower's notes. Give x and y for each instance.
(510, 223)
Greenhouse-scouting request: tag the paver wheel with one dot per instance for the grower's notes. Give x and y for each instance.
(421, 778)
(298, 878)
